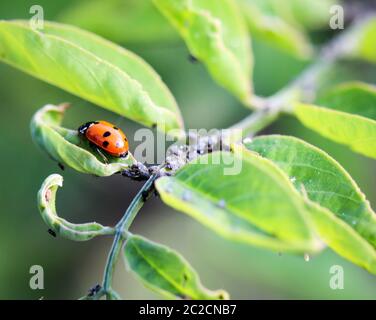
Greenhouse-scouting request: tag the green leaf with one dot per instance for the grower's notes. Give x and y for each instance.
(364, 45)
(216, 34)
(348, 224)
(353, 97)
(91, 68)
(342, 238)
(276, 31)
(66, 147)
(165, 271)
(349, 117)
(47, 208)
(126, 21)
(255, 204)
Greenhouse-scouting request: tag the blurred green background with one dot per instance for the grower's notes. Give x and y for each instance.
(72, 268)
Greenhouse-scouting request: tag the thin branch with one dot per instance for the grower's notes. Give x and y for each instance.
(120, 236)
(257, 121)
(305, 87)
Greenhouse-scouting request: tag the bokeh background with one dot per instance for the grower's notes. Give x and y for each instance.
(72, 268)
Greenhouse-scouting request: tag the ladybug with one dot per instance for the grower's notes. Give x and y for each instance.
(105, 136)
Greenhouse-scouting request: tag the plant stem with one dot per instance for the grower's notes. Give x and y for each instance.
(257, 121)
(120, 235)
(304, 88)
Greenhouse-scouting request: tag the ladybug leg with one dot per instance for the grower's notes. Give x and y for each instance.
(99, 151)
(104, 158)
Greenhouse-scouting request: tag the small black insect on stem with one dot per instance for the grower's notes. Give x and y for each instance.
(137, 172)
(145, 195)
(94, 290)
(52, 233)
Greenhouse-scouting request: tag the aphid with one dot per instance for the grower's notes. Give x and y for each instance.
(94, 290)
(144, 195)
(52, 233)
(106, 137)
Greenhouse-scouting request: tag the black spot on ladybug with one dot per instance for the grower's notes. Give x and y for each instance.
(106, 134)
(96, 122)
(116, 128)
(105, 144)
(52, 233)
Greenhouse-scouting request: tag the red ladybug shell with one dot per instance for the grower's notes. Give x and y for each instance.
(107, 137)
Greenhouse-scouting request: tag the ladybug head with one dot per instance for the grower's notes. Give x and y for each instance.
(82, 129)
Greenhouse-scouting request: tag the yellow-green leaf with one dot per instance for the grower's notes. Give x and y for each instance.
(254, 203)
(342, 238)
(91, 68)
(125, 21)
(165, 271)
(352, 97)
(342, 215)
(302, 14)
(364, 45)
(347, 115)
(216, 34)
(276, 31)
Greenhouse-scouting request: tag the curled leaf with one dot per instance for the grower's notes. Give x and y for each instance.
(47, 208)
(66, 147)
(166, 271)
